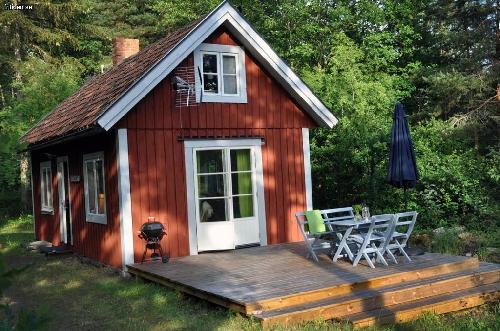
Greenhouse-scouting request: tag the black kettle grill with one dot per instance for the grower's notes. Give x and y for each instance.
(152, 233)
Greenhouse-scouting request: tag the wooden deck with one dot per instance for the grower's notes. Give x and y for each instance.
(277, 284)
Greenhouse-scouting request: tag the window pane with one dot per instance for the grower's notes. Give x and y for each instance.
(44, 187)
(242, 183)
(240, 160)
(209, 161)
(91, 187)
(212, 210)
(100, 186)
(210, 186)
(210, 83)
(228, 64)
(243, 206)
(209, 63)
(230, 85)
(49, 188)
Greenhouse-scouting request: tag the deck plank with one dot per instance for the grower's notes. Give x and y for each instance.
(262, 274)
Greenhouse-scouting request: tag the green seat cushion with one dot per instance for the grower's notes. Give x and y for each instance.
(315, 221)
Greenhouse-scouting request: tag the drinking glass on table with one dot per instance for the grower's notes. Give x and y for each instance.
(365, 213)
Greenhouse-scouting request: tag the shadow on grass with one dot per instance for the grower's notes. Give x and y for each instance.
(82, 296)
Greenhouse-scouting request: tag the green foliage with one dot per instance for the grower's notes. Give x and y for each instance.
(174, 14)
(452, 115)
(458, 241)
(440, 57)
(14, 234)
(45, 84)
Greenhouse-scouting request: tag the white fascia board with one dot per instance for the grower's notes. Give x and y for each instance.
(160, 70)
(250, 38)
(279, 69)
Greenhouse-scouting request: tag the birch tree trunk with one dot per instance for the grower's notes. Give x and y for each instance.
(25, 181)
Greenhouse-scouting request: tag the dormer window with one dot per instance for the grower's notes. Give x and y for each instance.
(222, 69)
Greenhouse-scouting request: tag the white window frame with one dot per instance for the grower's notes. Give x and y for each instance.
(91, 217)
(220, 51)
(46, 206)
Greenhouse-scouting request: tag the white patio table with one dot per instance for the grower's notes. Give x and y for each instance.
(347, 227)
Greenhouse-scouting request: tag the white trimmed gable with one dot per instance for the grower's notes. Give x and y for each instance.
(226, 15)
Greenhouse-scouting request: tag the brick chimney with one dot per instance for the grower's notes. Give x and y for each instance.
(124, 48)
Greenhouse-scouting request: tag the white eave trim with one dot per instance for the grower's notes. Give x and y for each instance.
(258, 47)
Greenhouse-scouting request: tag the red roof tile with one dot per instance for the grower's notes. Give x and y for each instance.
(81, 110)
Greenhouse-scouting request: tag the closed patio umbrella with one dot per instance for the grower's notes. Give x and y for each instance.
(402, 170)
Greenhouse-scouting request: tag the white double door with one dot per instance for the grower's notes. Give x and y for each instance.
(225, 197)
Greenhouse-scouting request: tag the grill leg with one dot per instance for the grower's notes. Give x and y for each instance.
(164, 258)
(144, 254)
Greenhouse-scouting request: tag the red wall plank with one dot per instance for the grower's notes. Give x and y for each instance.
(97, 241)
(156, 154)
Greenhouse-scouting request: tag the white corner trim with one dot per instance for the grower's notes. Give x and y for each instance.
(191, 201)
(125, 202)
(261, 202)
(307, 167)
(32, 196)
(228, 15)
(241, 97)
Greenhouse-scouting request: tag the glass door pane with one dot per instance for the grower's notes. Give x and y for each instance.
(242, 190)
(211, 183)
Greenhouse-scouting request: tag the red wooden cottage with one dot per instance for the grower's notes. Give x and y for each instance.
(205, 130)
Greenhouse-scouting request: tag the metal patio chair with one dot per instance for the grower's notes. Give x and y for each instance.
(375, 240)
(316, 242)
(403, 227)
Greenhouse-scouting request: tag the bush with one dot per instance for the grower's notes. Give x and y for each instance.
(10, 204)
(458, 185)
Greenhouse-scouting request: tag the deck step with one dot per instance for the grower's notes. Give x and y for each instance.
(393, 294)
(442, 304)
(301, 298)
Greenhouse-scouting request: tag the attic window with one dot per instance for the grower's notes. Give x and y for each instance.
(222, 69)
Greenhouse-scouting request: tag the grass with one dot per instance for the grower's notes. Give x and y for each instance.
(458, 241)
(63, 293)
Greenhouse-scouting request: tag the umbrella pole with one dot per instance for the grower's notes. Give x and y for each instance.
(406, 198)
(406, 209)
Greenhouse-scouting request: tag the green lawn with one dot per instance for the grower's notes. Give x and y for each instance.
(66, 294)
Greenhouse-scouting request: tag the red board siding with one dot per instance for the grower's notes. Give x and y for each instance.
(156, 154)
(97, 241)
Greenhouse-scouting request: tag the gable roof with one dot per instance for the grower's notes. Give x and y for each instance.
(106, 98)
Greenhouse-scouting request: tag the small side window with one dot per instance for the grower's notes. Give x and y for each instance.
(46, 187)
(95, 193)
